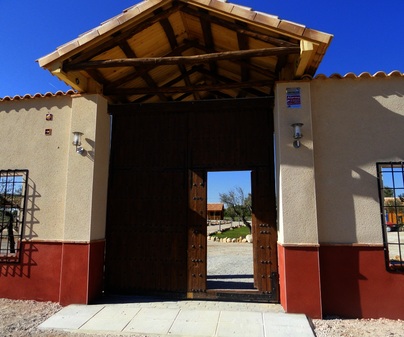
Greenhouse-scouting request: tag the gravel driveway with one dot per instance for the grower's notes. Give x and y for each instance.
(21, 318)
(230, 265)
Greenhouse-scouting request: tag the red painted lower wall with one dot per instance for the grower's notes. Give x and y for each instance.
(53, 271)
(299, 280)
(356, 284)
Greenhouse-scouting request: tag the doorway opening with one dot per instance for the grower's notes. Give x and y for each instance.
(230, 263)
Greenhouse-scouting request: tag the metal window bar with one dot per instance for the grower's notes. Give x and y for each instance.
(13, 194)
(391, 196)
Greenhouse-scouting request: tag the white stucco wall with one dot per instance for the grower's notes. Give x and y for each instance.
(67, 191)
(327, 189)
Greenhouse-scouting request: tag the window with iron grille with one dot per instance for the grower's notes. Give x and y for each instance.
(13, 188)
(391, 195)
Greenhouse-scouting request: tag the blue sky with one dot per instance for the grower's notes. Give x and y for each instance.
(223, 182)
(367, 38)
(367, 34)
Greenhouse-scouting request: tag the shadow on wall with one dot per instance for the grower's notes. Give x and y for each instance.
(90, 153)
(20, 105)
(353, 130)
(23, 268)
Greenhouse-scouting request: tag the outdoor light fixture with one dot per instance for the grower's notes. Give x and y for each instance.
(77, 142)
(297, 134)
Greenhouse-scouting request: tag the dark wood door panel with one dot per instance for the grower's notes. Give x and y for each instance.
(156, 222)
(197, 229)
(227, 139)
(147, 204)
(264, 232)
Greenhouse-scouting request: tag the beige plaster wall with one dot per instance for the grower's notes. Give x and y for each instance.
(23, 145)
(297, 218)
(67, 191)
(87, 174)
(356, 122)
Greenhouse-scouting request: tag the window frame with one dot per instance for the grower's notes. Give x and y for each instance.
(397, 208)
(13, 200)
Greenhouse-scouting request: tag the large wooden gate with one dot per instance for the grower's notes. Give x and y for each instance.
(156, 227)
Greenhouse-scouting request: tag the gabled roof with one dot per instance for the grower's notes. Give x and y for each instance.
(215, 207)
(162, 50)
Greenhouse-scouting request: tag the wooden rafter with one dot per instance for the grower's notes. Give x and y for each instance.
(183, 89)
(243, 45)
(241, 30)
(97, 76)
(174, 81)
(175, 60)
(188, 44)
(145, 75)
(169, 31)
(223, 79)
(124, 35)
(251, 66)
(138, 73)
(208, 39)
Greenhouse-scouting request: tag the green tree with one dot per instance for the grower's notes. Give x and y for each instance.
(237, 204)
(388, 192)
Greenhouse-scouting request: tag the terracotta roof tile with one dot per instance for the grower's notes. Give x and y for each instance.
(202, 2)
(350, 75)
(317, 35)
(267, 19)
(215, 207)
(291, 27)
(88, 36)
(245, 12)
(64, 49)
(38, 95)
(220, 5)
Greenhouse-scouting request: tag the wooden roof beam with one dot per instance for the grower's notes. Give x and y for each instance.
(145, 75)
(224, 79)
(175, 60)
(306, 48)
(184, 89)
(120, 36)
(243, 45)
(249, 65)
(208, 39)
(236, 27)
(169, 31)
(140, 71)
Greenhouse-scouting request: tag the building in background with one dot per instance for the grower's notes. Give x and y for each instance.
(215, 212)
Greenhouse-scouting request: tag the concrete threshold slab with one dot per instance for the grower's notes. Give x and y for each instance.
(180, 319)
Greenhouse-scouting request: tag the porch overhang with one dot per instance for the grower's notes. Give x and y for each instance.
(167, 50)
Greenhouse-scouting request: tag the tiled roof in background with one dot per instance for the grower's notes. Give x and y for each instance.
(379, 74)
(215, 207)
(38, 95)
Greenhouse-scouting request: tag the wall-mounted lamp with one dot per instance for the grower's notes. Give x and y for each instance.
(77, 142)
(297, 134)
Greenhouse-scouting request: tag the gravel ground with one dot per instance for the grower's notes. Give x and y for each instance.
(21, 319)
(337, 327)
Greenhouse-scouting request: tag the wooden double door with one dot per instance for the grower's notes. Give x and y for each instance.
(157, 203)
